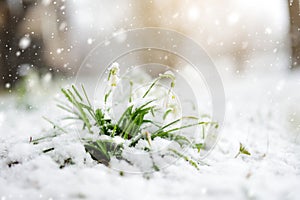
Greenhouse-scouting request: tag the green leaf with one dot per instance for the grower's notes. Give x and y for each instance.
(102, 151)
(186, 158)
(199, 146)
(243, 150)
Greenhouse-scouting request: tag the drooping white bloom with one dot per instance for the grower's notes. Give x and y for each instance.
(169, 73)
(113, 77)
(174, 108)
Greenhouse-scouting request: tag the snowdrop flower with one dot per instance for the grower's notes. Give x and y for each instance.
(170, 75)
(113, 77)
(171, 105)
(114, 81)
(174, 108)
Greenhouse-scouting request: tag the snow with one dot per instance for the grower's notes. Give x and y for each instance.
(90, 41)
(24, 42)
(7, 85)
(18, 53)
(258, 114)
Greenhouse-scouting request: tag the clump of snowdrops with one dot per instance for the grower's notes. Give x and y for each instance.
(136, 124)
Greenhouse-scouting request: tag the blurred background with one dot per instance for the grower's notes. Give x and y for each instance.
(54, 36)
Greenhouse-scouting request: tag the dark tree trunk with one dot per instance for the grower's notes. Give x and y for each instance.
(295, 31)
(10, 20)
(4, 39)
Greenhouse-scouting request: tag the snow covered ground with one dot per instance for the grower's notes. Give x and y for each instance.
(262, 112)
